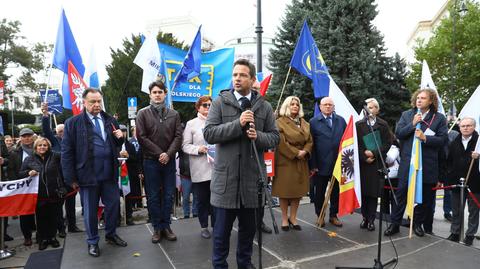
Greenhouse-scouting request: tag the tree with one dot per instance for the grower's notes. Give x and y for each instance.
(351, 46)
(125, 78)
(13, 54)
(438, 54)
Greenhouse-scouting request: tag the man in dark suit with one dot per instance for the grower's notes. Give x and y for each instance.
(90, 148)
(17, 156)
(433, 136)
(327, 129)
(56, 141)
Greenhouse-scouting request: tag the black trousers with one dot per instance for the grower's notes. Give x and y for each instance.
(423, 213)
(369, 208)
(202, 190)
(47, 216)
(320, 184)
(27, 225)
(71, 219)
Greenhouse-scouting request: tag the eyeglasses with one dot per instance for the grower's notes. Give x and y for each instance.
(205, 105)
(466, 126)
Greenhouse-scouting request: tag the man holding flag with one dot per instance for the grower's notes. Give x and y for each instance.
(422, 132)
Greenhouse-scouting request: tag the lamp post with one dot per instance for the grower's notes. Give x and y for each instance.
(12, 106)
(462, 11)
(259, 31)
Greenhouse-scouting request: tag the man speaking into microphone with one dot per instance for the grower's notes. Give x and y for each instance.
(424, 122)
(236, 117)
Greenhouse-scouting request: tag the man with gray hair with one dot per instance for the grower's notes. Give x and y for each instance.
(461, 152)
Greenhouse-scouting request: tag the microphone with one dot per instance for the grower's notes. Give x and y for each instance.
(367, 111)
(246, 105)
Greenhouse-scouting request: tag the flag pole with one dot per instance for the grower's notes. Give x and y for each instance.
(283, 89)
(321, 217)
(469, 170)
(453, 125)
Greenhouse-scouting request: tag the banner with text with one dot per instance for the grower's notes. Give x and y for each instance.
(53, 99)
(216, 73)
(18, 197)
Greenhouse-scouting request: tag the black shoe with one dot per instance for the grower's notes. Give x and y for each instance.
(285, 228)
(116, 240)
(43, 244)
(454, 237)
(205, 233)
(54, 243)
(392, 229)
(371, 226)
(294, 226)
(448, 217)
(265, 229)
(418, 230)
(250, 266)
(93, 250)
(364, 224)
(468, 240)
(7, 237)
(74, 229)
(62, 233)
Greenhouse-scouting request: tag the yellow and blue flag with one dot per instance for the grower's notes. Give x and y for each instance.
(415, 176)
(66, 50)
(309, 62)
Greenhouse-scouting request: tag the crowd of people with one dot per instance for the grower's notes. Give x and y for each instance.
(218, 165)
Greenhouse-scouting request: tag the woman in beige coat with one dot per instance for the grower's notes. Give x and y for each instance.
(291, 160)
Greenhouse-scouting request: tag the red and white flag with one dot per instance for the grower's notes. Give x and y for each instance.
(76, 86)
(264, 85)
(2, 88)
(18, 197)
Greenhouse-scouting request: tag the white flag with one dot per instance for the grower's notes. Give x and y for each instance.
(342, 105)
(148, 58)
(427, 82)
(472, 108)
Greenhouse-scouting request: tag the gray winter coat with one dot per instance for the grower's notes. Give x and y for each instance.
(235, 174)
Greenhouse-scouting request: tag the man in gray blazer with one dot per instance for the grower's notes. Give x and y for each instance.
(235, 176)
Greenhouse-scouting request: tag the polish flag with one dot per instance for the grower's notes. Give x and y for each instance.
(264, 85)
(76, 86)
(18, 197)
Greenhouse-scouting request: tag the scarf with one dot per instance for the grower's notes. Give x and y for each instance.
(27, 149)
(159, 107)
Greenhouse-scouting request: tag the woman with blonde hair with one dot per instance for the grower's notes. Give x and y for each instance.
(51, 189)
(291, 160)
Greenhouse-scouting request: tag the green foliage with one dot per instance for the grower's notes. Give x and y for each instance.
(352, 48)
(439, 52)
(125, 77)
(13, 54)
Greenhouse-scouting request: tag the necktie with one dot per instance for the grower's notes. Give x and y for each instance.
(242, 99)
(97, 127)
(329, 121)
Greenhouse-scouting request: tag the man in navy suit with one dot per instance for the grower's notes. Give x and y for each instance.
(433, 134)
(327, 129)
(90, 148)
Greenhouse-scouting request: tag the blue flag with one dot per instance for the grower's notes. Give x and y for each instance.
(66, 50)
(1, 126)
(308, 61)
(192, 62)
(164, 72)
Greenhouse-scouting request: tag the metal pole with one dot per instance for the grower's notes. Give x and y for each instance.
(462, 206)
(259, 31)
(12, 108)
(454, 49)
(4, 253)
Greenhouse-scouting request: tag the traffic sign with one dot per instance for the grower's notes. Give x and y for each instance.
(132, 107)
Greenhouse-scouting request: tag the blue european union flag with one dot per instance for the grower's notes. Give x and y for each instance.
(308, 61)
(66, 50)
(192, 62)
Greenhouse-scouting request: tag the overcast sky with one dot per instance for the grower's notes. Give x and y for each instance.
(105, 23)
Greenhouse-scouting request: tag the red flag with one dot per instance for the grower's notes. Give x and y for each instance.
(2, 87)
(264, 85)
(18, 197)
(76, 86)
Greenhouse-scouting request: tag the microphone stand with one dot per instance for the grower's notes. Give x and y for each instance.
(384, 171)
(262, 188)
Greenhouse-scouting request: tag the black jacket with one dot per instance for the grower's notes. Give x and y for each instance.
(15, 163)
(459, 160)
(49, 170)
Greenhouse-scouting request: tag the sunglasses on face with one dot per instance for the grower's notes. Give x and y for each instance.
(206, 105)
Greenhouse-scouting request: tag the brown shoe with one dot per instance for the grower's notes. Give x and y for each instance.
(335, 221)
(156, 237)
(168, 234)
(27, 242)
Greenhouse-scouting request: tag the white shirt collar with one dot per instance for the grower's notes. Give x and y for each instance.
(325, 116)
(90, 116)
(238, 96)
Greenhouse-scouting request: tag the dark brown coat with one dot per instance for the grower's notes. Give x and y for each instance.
(292, 174)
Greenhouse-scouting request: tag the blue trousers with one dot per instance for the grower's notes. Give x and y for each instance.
(160, 189)
(110, 194)
(187, 189)
(202, 191)
(224, 219)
